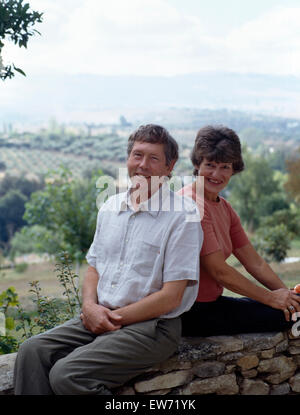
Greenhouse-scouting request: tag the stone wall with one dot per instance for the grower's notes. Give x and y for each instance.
(246, 364)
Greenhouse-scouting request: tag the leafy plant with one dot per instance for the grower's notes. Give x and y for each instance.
(273, 242)
(49, 312)
(16, 22)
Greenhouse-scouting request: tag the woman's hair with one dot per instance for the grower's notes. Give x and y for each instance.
(219, 144)
(155, 134)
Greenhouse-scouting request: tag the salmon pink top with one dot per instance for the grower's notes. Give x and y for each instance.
(222, 231)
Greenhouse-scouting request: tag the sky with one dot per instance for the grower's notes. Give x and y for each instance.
(154, 38)
(162, 37)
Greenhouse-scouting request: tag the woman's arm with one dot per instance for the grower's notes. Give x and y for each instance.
(279, 297)
(258, 268)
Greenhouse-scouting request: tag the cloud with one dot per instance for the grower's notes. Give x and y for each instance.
(151, 37)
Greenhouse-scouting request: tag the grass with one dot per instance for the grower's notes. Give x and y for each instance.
(43, 272)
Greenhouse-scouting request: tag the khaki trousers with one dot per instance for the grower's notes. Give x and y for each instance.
(70, 360)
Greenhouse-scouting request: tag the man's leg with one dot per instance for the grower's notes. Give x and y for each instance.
(38, 354)
(115, 357)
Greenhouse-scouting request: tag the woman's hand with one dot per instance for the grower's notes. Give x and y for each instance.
(99, 319)
(286, 300)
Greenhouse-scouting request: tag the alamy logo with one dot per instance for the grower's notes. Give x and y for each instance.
(143, 187)
(296, 326)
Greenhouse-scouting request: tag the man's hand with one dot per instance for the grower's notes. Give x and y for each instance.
(99, 319)
(285, 300)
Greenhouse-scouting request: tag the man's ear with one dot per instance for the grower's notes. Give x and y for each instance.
(171, 165)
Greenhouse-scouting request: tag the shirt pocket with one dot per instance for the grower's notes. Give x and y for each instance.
(145, 256)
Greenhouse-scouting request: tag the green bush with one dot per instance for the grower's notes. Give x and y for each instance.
(273, 242)
(22, 267)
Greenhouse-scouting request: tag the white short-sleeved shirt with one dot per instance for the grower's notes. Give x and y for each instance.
(136, 252)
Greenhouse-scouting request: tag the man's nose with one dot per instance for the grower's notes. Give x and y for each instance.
(144, 163)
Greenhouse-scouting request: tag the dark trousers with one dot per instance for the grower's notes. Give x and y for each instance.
(229, 315)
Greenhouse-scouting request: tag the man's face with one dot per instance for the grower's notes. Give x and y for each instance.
(147, 160)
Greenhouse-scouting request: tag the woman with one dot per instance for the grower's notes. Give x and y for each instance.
(217, 157)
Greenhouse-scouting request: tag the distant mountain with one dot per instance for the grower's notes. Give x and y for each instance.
(94, 98)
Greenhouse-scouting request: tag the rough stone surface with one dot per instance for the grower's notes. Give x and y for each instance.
(252, 373)
(295, 383)
(281, 367)
(282, 346)
(194, 348)
(248, 362)
(261, 341)
(170, 380)
(208, 369)
(296, 359)
(174, 364)
(282, 389)
(294, 350)
(221, 385)
(255, 387)
(267, 354)
(7, 362)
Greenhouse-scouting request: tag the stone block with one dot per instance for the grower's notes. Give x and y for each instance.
(281, 368)
(169, 380)
(252, 373)
(230, 369)
(294, 350)
(221, 385)
(295, 382)
(267, 354)
(208, 369)
(261, 341)
(254, 387)
(296, 359)
(282, 346)
(198, 348)
(174, 363)
(282, 389)
(248, 362)
(7, 363)
(231, 357)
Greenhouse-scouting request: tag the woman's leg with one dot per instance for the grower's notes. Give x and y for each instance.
(230, 315)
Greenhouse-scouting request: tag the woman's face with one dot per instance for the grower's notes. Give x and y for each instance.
(216, 177)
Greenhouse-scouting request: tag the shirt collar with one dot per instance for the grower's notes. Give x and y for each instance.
(152, 205)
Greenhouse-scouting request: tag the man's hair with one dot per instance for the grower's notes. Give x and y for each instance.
(155, 134)
(219, 144)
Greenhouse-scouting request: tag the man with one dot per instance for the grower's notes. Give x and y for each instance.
(142, 275)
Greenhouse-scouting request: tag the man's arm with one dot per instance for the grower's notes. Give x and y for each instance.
(155, 304)
(95, 317)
